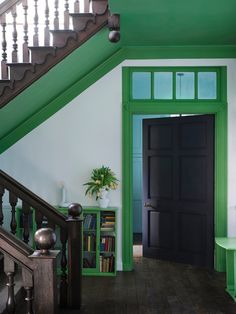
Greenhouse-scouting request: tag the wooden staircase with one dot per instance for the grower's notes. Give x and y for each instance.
(36, 35)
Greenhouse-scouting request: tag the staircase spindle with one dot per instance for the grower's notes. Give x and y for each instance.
(86, 6)
(14, 36)
(9, 269)
(13, 201)
(27, 278)
(1, 211)
(38, 219)
(77, 6)
(63, 284)
(4, 48)
(36, 22)
(66, 15)
(26, 213)
(25, 43)
(46, 29)
(56, 18)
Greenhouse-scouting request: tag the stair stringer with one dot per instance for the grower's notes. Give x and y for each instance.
(58, 87)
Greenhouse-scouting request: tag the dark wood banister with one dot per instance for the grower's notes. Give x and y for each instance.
(16, 249)
(70, 234)
(34, 200)
(6, 5)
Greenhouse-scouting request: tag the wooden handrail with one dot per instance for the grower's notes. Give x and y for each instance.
(16, 249)
(34, 200)
(7, 4)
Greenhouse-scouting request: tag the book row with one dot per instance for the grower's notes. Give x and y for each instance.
(107, 244)
(89, 242)
(107, 264)
(90, 222)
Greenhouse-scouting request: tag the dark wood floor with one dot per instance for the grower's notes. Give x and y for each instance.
(156, 287)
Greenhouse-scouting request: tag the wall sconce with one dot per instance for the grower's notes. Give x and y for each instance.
(114, 27)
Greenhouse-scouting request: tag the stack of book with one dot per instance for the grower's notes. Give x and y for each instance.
(107, 264)
(89, 242)
(107, 244)
(108, 221)
(89, 222)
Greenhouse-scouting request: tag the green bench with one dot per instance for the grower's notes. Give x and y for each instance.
(229, 244)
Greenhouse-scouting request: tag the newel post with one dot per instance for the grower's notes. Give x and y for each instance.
(74, 255)
(45, 277)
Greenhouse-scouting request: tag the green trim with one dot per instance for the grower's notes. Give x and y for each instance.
(60, 101)
(180, 52)
(219, 109)
(32, 110)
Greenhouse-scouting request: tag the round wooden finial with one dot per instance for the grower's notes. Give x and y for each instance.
(74, 210)
(45, 239)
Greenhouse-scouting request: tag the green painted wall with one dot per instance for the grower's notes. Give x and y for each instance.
(55, 89)
(170, 23)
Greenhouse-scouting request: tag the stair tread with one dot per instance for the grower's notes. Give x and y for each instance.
(5, 81)
(42, 47)
(19, 63)
(62, 31)
(86, 15)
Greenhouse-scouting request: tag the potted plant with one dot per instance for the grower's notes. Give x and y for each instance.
(102, 180)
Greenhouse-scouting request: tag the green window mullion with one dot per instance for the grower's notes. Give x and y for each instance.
(196, 85)
(152, 85)
(174, 85)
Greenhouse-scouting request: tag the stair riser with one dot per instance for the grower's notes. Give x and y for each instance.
(99, 6)
(17, 72)
(80, 23)
(38, 55)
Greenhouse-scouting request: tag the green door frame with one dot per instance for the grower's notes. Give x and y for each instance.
(130, 108)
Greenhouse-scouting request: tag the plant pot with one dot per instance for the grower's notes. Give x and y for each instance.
(103, 199)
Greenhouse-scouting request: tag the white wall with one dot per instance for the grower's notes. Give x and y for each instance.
(87, 133)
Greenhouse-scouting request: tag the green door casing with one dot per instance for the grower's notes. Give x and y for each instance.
(217, 107)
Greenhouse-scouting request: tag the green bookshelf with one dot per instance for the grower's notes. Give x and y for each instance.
(99, 241)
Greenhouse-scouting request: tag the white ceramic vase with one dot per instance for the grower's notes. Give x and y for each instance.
(103, 199)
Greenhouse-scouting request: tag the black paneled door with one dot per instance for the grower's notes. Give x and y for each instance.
(178, 187)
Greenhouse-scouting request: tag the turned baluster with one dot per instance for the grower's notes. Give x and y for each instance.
(77, 6)
(38, 219)
(86, 6)
(46, 29)
(14, 36)
(63, 283)
(27, 278)
(26, 213)
(9, 269)
(4, 48)
(56, 18)
(66, 15)
(36, 22)
(1, 201)
(25, 44)
(13, 202)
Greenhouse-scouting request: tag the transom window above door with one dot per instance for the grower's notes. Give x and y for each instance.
(179, 84)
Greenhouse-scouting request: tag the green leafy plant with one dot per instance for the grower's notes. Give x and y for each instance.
(101, 178)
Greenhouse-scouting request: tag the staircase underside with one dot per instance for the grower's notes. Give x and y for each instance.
(57, 87)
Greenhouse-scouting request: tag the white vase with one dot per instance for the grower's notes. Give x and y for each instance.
(103, 199)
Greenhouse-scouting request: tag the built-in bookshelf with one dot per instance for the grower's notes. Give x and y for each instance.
(99, 241)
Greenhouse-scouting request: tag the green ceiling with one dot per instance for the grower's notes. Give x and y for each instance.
(176, 22)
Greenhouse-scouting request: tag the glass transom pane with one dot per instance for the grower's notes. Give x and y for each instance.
(163, 85)
(207, 85)
(141, 85)
(184, 85)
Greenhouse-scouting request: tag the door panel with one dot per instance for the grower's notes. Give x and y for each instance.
(178, 189)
